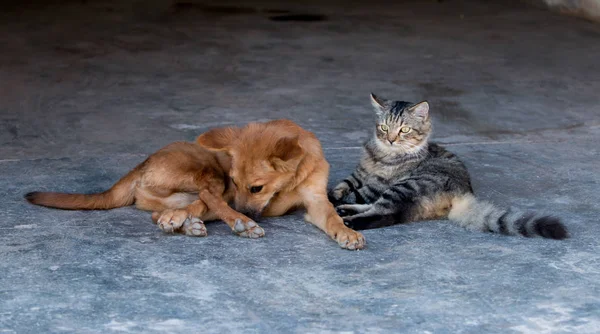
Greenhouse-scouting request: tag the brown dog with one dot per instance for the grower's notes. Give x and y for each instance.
(265, 168)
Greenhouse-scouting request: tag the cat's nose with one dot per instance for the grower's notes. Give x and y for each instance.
(391, 142)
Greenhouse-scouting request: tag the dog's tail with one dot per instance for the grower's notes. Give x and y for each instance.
(120, 194)
(474, 214)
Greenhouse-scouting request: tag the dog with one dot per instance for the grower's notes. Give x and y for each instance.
(265, 169)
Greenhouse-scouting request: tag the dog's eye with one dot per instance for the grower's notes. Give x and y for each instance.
(256, 189)
(232, 180)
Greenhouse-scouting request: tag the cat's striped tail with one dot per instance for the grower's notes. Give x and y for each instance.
(478, 215)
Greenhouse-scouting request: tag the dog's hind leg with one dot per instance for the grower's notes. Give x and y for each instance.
(187, 220)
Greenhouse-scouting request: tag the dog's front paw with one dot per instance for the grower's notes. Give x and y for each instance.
(350, 239)
(248, 229)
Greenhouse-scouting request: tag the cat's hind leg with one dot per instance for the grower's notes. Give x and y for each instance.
(393, 207)
(367, 216)
(347, 191)
(369, 219)
(337, 194)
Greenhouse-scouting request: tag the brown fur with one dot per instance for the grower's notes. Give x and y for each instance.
(184, 183)
(437, 207)
(288, 162)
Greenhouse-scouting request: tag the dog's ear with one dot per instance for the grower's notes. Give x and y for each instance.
(287, 154)
(219, 139)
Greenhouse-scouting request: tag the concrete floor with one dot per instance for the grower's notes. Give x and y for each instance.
(87, 90)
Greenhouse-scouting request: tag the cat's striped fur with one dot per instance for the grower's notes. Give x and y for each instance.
(403, 178)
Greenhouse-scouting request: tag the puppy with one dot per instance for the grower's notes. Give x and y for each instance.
(265, 169)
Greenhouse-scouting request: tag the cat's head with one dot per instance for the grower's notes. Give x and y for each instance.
(401, 126)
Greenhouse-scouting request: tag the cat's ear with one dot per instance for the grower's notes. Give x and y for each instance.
(378, 103)
(220, 139)
(421, 110)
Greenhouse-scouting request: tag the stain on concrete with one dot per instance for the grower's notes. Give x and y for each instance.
(343, 24)
(450, 111)
(10, 127)
(216, 10)
(213, 10)
(496, 37)
(13, 130)
(436, 89)
(277, 11)
(587, 33)
(298, 18)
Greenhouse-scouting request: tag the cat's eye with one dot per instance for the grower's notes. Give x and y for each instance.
(384, 127)
(405, 129)
(256, 189)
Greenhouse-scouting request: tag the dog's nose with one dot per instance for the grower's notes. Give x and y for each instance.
(252, 214)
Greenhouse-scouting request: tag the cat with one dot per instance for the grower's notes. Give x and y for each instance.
(402, 178)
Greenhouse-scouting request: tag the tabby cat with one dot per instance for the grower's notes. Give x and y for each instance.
(403, 178)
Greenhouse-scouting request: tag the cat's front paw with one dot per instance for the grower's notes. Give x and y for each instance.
(355, 222)
(348, 222)
(342, 212)
(346, 210)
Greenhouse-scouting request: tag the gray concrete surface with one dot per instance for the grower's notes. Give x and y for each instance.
(88, 89)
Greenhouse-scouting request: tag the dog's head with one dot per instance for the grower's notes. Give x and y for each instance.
(264, 160)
